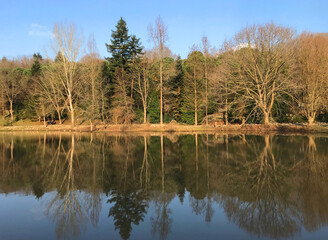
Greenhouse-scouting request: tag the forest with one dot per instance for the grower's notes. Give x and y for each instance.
(266, 73)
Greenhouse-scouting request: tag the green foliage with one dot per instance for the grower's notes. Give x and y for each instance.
(187, 117)
(123, 47)
(59, 57)
(118, 90)
(154, 108)
(323, 117)
(298, 119)
(175, 95)
(36, 67)
(120, 45)
(135, 47)
(28, 111)
(124, 50)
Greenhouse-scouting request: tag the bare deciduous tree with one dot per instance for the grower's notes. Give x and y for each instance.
(262, 54)
(312, 69)
(94, 65)
(68, 42)
(51, 88)
(12, 84)
(193, 83)
(2, 97)
(205, 48)
(143, 84)
(159, 35)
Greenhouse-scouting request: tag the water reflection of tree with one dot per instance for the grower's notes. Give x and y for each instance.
(71, 208)
(270, 186)
(209, 208)
(313, 191)
(145, 168)
(196, 201)
(129, 207)
(201, 199)
(9, 165)
(66, 207)
(92, 198)
(162, 221)
(128, 198)
(258, 192)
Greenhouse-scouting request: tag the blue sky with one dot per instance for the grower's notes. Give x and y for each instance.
(25, 26)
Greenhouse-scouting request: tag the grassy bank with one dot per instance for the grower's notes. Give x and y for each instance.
(247, 128)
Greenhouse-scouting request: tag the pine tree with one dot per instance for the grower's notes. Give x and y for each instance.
(35, 103)
(36, 67)
(135, 47)
(124, 50)
(120, 46)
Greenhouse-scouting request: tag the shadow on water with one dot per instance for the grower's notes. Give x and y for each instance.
(269, 185)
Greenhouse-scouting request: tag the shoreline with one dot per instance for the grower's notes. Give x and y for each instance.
(173, 128)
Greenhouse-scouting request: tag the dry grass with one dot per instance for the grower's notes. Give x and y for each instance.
(248, 128)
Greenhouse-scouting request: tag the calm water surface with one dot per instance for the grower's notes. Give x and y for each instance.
(200, 186)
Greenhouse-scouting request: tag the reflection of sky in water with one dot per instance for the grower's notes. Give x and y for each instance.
(24, 217)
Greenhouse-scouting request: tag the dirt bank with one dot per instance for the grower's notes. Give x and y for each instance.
(247, 128)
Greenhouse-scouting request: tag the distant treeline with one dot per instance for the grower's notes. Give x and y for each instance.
(264, 74)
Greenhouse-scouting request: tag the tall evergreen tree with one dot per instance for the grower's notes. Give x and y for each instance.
(135, 50)
(120, 46)
(36, 67)
(35, 104)
(124, 49)
(135, 47)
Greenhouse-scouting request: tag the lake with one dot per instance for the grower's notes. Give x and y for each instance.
(163, 186)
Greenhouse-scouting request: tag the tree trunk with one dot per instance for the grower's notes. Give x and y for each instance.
(59, 117)
(132, 81)
(226, 107)
(206, 101)
(11, 111)
(93, 101)
(43, 116)
(91, 125)
(102, 106)
(311, 118)
(161, 83)
(125, 95)
(71, 108)
(3, 105)
(145, 113)
(132, 90)
(266, 118)
(195, 93)
(72, 116)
